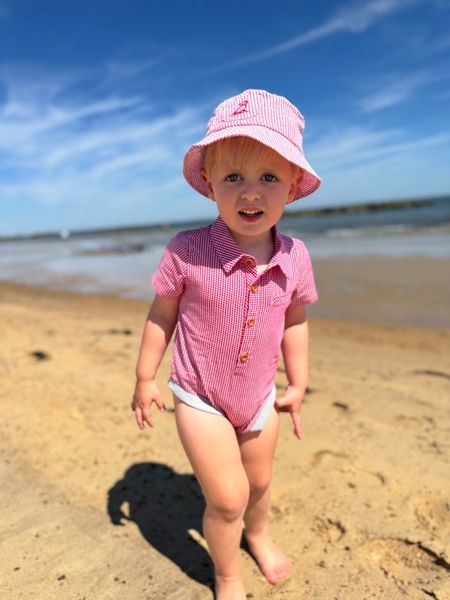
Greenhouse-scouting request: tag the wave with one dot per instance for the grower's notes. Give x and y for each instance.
(386, 230)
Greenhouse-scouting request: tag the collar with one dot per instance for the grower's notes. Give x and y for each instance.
(230, 254)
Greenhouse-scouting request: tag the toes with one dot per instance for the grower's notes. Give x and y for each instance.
(279, 573)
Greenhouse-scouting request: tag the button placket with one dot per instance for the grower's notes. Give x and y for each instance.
(249, 324)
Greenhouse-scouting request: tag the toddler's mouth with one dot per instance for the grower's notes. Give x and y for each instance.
(251, 214)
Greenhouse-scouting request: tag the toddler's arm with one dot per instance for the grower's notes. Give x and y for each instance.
(295, 354)
(159, 327)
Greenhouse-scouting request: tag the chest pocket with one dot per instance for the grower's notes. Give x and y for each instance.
(282, 300)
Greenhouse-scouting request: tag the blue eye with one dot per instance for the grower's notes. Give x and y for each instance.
(232, 177)
(269, 177)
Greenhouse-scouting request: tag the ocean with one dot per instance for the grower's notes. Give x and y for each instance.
(122, 260)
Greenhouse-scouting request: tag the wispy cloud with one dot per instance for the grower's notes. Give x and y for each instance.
(354, 17)
(443, 95)
(395, 88)
(53, 151)
(436, 45)
(394, 92)
(121, 70)
(343, 149)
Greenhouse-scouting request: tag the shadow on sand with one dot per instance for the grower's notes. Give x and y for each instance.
(165, 506)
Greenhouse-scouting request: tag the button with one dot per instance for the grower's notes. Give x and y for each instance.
(254, 287)
(249, 262)
(250, 322)
(244, 357)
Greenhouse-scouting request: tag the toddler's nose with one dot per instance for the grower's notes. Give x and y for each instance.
(251, 193)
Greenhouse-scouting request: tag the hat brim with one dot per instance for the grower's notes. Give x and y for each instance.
(193, 160)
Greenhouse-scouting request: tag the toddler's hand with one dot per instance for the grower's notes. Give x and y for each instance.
(291, 402)
(145, 393)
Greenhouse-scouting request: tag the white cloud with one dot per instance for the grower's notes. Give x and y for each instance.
(396, 88)
(354, 17)
(396, 91)
(122, 70)
(58, 153)
(435, 45)
(22, 123)
(352, 146)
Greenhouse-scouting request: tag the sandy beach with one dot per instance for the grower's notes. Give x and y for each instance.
(94, 509)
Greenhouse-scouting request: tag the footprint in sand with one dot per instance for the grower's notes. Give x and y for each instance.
(409, 563)
(342, 464)
(329, 530)
(433, 513)
(278, 512)
(425, 422)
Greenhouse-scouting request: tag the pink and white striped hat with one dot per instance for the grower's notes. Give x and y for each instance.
(267, 118)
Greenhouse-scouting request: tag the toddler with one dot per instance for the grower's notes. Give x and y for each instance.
(236, 292)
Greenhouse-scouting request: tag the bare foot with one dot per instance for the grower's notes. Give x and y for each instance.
(229, 588)
(274, 564)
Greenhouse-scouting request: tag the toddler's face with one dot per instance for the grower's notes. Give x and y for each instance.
(251, 197)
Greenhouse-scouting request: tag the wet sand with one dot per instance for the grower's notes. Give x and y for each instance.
(412, 291)
(94, 509)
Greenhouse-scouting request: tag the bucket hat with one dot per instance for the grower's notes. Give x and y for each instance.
(267, 118)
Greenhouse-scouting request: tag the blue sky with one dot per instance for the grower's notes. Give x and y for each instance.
(99, 100)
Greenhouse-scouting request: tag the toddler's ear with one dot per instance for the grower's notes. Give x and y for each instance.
(295, 183)
(208, 184)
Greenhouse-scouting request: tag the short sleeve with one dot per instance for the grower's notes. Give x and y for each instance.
(169, 279)
(305, 290)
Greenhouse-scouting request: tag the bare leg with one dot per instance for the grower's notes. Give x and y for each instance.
(257, 452)
(211, 445)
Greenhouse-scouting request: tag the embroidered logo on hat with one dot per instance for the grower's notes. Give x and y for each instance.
(241, 108)
(225, 113)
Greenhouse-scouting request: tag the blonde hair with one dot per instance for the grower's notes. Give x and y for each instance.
(243, 149)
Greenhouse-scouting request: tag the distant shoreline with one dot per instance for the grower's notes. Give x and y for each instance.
(361, 208)
(347, 209)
